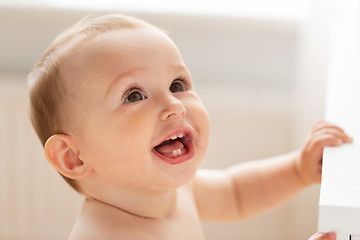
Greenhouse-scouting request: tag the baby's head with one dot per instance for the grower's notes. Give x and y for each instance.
(114, 107)
(49, 90)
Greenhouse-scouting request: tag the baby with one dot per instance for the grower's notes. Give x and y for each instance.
(115, 108)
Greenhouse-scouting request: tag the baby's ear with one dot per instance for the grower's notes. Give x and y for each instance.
(62, 153)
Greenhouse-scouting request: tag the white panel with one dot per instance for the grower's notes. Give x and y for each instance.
(340, 190)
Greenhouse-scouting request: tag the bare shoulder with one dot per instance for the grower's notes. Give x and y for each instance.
(86, 229)
(96, 222)
(101, 231)
(100, 222)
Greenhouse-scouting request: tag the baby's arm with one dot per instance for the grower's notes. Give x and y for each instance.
(248, 189)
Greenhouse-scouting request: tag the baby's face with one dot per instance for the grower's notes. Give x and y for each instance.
(138, 122)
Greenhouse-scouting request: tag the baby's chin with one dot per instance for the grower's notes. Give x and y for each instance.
(174, 176)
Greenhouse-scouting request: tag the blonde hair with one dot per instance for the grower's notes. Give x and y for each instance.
(48, 95)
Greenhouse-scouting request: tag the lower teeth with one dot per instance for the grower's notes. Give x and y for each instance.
(176, 152)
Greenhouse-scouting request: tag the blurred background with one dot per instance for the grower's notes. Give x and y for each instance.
(260, 67)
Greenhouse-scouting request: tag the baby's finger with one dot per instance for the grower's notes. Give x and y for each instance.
(325, 140)
(338, 133)
(323, 236)
(325, 125)
(322, 124)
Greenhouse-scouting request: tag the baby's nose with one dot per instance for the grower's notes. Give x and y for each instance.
(173, 108)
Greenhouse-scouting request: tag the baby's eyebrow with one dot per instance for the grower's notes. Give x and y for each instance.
(179, 67)
(118, 78)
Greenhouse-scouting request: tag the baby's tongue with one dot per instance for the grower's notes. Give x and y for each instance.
(167, 147)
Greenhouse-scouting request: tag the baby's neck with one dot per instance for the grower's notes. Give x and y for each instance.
(153, 206)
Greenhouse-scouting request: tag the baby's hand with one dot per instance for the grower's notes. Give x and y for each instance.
(323, 236)
(309, 162)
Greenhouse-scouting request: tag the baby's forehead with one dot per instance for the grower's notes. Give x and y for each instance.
(101, 49)
(107, 42)
(104, 51)
(128, 38)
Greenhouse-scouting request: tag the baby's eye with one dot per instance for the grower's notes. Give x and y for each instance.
(134, 96)
(177, 86)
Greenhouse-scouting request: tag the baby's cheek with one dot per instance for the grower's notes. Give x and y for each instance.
(203, 125)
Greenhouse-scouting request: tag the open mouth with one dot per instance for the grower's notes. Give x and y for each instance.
(176, 149)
